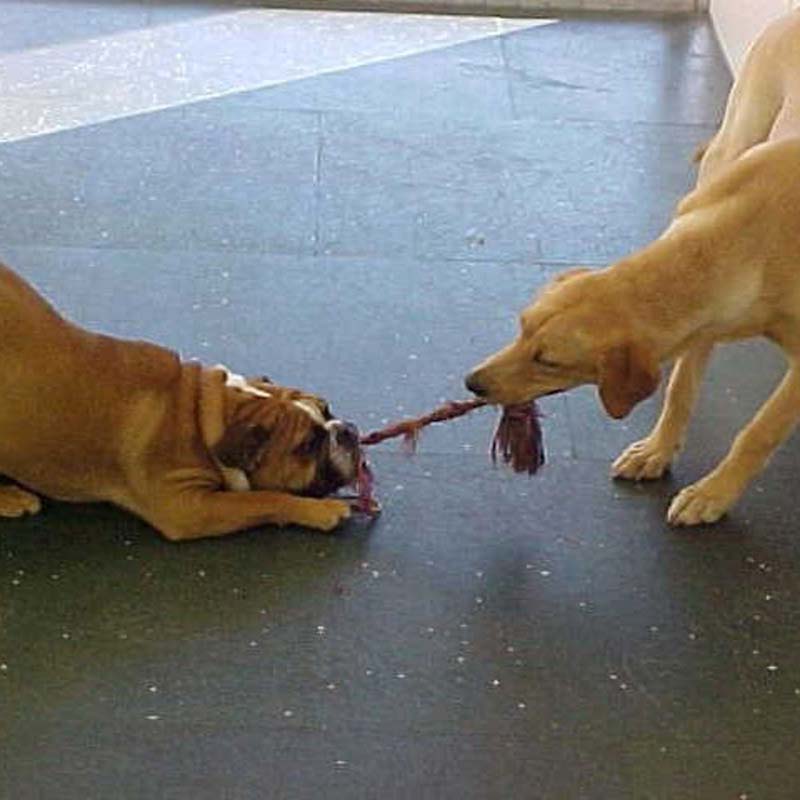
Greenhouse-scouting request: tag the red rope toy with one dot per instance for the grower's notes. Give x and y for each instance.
(517, 438)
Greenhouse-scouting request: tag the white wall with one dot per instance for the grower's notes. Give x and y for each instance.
(738, 22)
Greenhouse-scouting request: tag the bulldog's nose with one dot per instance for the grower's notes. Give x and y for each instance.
(347, 435)
(474, 385)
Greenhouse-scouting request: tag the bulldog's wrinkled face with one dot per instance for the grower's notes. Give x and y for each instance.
(285, 439)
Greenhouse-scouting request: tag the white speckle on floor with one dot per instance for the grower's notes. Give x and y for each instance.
(288, 713)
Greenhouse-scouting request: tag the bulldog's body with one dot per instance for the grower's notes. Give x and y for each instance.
(195, 451)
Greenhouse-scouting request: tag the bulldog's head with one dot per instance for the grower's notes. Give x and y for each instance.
(274, 437)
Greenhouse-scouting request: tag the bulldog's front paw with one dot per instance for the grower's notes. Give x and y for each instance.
(701, 503)
(325, 515)
(645, 460)
(15, 502)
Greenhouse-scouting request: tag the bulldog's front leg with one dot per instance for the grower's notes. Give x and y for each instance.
(708, 499)
(205, 513)
(16, 502)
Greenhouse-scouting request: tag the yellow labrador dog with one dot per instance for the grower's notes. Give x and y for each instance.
(195, 451)
(728, 267)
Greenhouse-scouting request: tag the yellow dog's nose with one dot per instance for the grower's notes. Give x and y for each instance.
(472, 382)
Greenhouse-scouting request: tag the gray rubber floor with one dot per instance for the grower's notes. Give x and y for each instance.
(370, 234)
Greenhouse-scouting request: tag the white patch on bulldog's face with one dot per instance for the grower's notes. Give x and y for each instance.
(344, 459)
(311, 410)
(238, 382)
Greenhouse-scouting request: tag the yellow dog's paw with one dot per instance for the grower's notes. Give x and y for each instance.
(642, 461)
(699, 504)
(15, 502)
(327, 514)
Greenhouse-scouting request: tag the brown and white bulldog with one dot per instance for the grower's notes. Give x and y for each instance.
(195, 451)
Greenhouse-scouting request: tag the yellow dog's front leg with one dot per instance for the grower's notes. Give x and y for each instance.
(709, 498)
(651, 457)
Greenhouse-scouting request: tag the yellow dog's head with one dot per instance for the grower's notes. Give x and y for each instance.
(576, 331)
(283, 439)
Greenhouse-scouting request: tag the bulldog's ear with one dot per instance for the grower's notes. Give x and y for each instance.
(626, 375)
(241, 446)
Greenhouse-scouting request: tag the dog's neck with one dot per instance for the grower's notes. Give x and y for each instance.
(669, 296)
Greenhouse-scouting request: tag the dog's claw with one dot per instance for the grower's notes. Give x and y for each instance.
(642, 461)
(695, 505)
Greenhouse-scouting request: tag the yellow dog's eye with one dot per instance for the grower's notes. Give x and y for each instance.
(541, 361)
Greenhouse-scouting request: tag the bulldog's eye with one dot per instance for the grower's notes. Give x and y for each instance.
(325, 409)
(313, 443)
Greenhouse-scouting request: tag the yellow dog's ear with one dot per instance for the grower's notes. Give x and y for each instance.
(626, 375)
